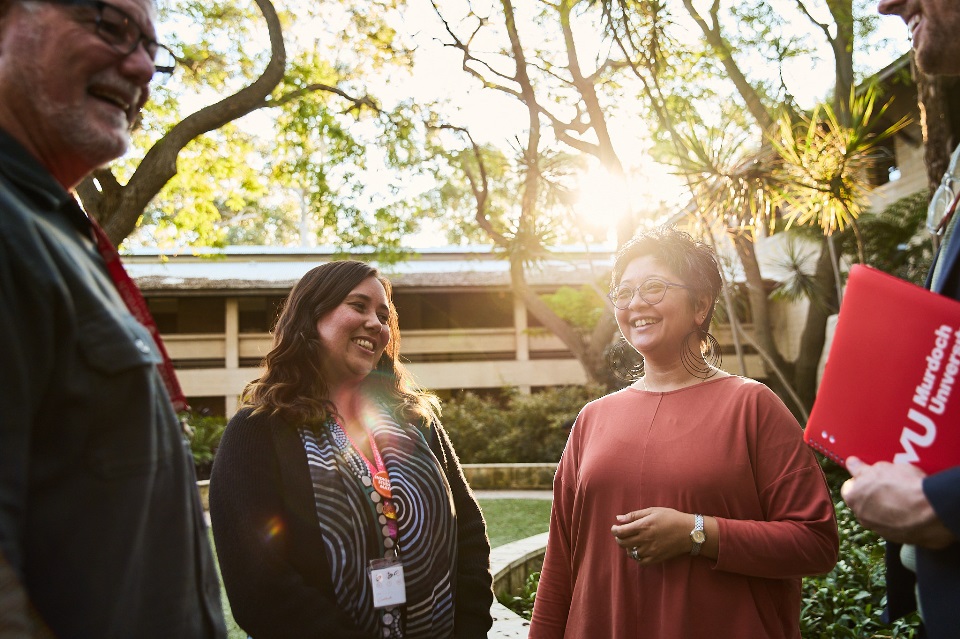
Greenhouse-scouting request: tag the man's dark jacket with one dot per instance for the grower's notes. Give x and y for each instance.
(938, 571)
(100, 521)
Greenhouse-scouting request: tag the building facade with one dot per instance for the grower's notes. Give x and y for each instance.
(462, 328)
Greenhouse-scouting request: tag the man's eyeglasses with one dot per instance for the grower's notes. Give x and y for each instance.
(944, 200)
(119, 30)
(651, 291)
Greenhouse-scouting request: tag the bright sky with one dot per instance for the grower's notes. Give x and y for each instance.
(498, 119)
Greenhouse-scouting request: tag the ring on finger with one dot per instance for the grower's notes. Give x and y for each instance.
(634, 553)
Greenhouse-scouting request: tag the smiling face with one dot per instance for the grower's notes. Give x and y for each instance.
(934, 26)
(355, 333)
(657, 331)
(65, 94)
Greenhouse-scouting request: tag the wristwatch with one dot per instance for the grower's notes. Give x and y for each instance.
(697, 536)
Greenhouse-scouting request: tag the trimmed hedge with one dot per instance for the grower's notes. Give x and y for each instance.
(203, 432)
(514, 428)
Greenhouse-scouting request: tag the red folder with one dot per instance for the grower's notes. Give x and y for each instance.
(891, 386)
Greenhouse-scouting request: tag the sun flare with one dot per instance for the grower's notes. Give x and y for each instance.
(603, 200)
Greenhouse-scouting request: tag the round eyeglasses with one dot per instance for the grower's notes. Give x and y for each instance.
(119, 30)
(944, 200)
(651, 291)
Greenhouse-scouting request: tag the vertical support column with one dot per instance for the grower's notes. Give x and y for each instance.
(521, 336)
(232, 349)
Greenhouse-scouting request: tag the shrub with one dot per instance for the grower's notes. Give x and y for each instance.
(204, 433)
(515, 427)
(522, 603)
(848, 601)
(894, 240)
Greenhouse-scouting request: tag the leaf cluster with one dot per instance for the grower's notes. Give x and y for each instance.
(246, 183)
(580, 307)
(204, 434)
(895, 239)
(514, 427)
(824, 162)
(848, 601)
(522, 602)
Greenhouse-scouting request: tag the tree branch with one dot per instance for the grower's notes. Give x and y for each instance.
(159, 165)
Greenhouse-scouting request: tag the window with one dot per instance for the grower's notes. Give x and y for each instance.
(453, 310)
(175, 315)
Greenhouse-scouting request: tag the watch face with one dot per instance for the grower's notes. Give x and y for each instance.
(698, 537)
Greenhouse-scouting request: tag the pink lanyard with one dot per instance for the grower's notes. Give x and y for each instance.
(378, 470)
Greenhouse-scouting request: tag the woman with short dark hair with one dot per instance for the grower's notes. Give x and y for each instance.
(339, 508)
(685, 505)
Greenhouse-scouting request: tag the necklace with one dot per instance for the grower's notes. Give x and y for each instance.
(374, 478)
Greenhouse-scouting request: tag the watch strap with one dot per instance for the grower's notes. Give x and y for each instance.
(694, 536)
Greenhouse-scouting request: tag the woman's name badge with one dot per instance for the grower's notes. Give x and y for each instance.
(386, 577)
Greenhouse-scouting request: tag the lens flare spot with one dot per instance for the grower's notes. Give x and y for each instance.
(274, 528)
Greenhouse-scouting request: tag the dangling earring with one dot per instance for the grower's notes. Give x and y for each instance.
(625, 362)
(704, 361)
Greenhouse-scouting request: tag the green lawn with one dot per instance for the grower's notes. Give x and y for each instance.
(507, 520)
(512, 519)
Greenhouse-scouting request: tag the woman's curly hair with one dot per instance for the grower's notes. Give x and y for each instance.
(694, 262)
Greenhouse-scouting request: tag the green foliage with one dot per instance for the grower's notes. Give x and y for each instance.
(895, 240)
(849, 600)
(518, 428)
(579, 307)
(292, 173)
(799, 264)
(204, 433)
(823, 161)
(522, 603)
(201, 202)
(733, 184)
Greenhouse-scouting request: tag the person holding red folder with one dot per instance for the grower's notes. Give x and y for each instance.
(918, 514)
(685, 505)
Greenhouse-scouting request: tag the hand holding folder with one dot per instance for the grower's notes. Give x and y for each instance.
(891, 385)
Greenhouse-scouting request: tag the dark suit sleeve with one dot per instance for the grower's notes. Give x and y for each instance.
(272, 588)
(474, 581)
(943, 491)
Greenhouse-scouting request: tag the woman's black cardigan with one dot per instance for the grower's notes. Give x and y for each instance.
(270, 547)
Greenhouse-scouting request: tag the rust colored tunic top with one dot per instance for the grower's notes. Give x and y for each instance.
(728, 448)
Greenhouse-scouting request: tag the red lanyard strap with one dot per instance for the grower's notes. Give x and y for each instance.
(133, 299)
(379, 482)
(378, 470)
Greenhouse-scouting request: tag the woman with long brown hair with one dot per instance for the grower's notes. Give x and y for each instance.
(339, 508)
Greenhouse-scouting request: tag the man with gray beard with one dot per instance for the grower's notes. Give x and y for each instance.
(101, 528)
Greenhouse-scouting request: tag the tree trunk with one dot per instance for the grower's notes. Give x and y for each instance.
(841, 41)
(724, 54)
(757, 295)
(588, 353)
(815, 330)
